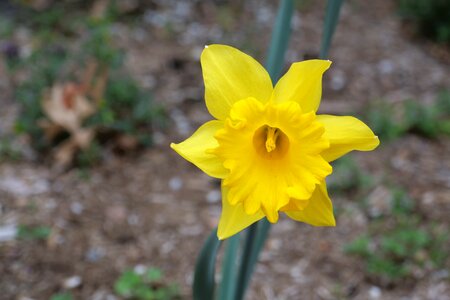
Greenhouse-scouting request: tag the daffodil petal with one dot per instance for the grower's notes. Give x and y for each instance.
(319, 211)
(303, 84)
(231, 75)
(233, 218)
(346, 134)
(194, 149)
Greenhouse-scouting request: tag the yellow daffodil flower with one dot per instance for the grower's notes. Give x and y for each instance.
(266, 143)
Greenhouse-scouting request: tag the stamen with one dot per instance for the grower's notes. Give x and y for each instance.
(271, 140)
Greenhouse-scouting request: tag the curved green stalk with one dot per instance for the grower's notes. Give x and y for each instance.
(280, 40)
(329, 26)
(204, 284)
(228, 283)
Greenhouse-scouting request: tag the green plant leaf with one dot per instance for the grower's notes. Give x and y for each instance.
(127, 283)
(154, 274)
(33, 232)
(280, 39)
(256, 236)
(329, 26)
(359, 246)
(62, 296)
(228, 283)
(204, 284)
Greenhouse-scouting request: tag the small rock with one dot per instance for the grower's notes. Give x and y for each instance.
(324, 293)
(159, 138)
(181, 122)
(94, 254)
(140, 269)
(72, 282)
(374, 292)
(440, 275)
(99, 295)
(24, 188)
(379, 202)
(191, 230)
(175, 183)
(195, 53)
(274, 244)
(8, 233)
(76, 207)
(338, 80)
(264, 14)
(133, 219)
(213, 196)
(139, 34)
(385, 66)
(116, 213)
(438, 291)
(167, 247)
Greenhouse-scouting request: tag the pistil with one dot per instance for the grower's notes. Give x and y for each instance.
(271, 139)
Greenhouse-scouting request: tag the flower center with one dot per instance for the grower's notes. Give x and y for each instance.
(270, 142)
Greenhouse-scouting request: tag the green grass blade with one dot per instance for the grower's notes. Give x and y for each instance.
(331, 19)
(228, 283)
(204, 284)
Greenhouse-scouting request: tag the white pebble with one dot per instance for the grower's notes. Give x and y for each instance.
(72, 282)
(76, 207)
(8, 232)
(213, 196)
(175, 183)
(374, 292)
(140, 269)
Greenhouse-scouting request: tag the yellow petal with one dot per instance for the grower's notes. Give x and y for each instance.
(194, 149)
(346, 134)
(303, 84)
(233, 218)
(319, 211)
(231, 75)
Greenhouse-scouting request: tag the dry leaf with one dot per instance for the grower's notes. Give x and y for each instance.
(127, 142)
(65, 105)
(65, 153)
(68, 105)
(83, 137)
(51, 130)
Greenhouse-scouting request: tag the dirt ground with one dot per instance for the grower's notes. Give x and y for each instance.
(152, 208)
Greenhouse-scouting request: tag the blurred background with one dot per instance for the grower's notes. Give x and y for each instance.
(94, 205)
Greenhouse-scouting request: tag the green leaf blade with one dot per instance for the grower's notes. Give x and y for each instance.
(204, 284)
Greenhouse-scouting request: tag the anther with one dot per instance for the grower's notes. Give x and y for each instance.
(271, 140)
